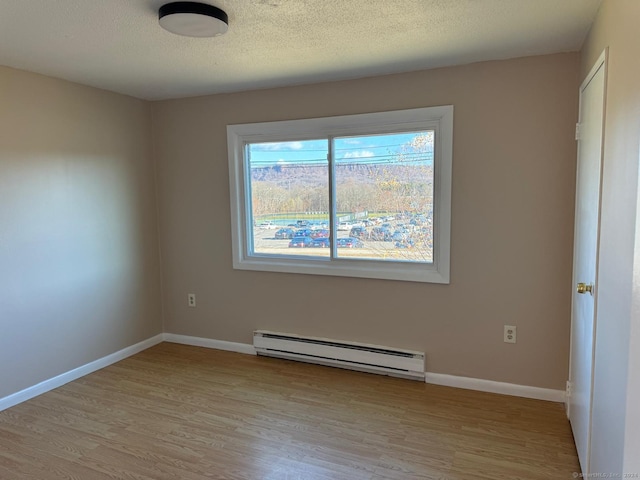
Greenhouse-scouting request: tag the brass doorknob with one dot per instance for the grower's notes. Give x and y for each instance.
(584, 288)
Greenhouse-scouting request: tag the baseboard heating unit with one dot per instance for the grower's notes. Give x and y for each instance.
(334, 353)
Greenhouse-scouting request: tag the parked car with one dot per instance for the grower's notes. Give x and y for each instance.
(285, 233)
(345, 226)
(268, 225)
(323, 233)
(320, 242)
(400, 234)
(359, 232)
(303, 232)
(380, 234)
(300, 242)
(349, 242)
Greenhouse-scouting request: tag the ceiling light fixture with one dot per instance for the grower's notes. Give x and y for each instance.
(193, 19)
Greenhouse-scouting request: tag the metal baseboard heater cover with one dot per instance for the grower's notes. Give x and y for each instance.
(335, 353)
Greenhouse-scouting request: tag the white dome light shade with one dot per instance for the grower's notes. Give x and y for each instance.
(193, 19)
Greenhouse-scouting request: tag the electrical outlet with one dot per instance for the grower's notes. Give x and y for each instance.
(191, 299)
(509, 334)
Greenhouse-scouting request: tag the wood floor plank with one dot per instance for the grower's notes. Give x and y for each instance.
(180, 412)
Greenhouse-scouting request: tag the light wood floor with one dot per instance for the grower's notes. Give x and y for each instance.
(180, 412)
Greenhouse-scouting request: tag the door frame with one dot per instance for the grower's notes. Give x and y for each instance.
(601, 62)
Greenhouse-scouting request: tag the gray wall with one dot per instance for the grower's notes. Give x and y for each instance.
(79, 263)
(512, 223)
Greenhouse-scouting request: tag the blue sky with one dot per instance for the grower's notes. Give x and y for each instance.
(363, 149)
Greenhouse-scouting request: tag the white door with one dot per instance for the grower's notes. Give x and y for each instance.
(587, 227)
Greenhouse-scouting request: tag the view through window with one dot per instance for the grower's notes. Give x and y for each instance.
(379, 187)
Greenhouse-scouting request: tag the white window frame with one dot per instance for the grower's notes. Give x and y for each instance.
(439, 119)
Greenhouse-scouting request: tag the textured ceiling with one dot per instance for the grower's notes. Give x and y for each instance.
(118, 45)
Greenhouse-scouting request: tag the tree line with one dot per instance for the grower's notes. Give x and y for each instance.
(299, 188)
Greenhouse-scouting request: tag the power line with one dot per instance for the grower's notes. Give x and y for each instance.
(365, 161)
(326, 150)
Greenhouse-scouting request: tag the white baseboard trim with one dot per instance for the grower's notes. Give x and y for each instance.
(58, 381)
(210, 343)
(495, 387)
(434, 378)
(245, 348)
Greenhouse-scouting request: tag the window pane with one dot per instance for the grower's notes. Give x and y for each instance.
(384, 196)
(289, 198)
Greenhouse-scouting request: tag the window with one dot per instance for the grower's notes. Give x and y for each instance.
(359, 195)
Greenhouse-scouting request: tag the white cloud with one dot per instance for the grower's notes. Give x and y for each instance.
(359, 154)
(277, 146)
